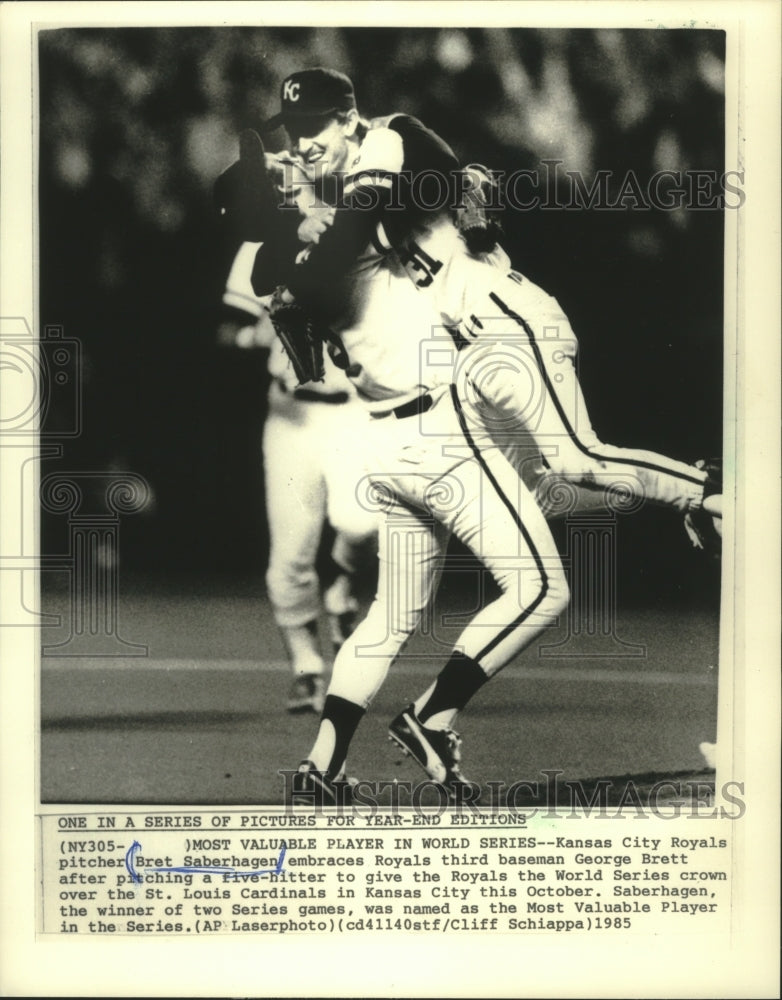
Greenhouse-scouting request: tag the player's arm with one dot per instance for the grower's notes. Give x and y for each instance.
(362, 197)
(303, 220)
(393, 158)
(244, 318)
(425, 152)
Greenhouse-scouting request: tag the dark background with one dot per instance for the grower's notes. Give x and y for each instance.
(135, 125)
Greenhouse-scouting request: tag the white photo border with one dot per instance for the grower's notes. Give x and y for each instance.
(743, 965)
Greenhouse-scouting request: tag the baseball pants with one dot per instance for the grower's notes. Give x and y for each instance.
(312, 467)
(518, 371)
(438, 473)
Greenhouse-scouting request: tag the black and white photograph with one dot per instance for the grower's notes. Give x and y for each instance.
(380, 449)
(247, 528)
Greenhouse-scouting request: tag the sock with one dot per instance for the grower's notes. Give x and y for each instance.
(301, 643)
(338, 723)
(456, 683)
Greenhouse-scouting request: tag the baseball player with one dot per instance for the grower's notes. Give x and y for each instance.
(479, 297)
(335, 142)
(435, 470)
(318, 424)
(518, 357)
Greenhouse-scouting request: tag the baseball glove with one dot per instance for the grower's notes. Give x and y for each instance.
(477, 217)
(300, 338)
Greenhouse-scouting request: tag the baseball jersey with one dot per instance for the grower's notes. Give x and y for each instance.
(379, 322)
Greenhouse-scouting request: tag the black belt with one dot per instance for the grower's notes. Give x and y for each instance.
(312, 395)
(413, 408)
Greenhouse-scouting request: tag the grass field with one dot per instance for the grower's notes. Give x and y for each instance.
(200, 719)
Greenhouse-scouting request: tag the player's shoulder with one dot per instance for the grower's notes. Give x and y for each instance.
(421, 146)
(398, 122)
(400, 142)
(381, 149)
(407, 128)
(387, 141)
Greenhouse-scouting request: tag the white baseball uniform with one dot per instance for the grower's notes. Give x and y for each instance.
(435, 471)
(521, 372)
(313, 466)
(439, 424)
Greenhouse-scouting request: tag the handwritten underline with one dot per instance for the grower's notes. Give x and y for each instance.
(224, 870)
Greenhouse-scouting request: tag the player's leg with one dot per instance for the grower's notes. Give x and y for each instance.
(350, 513)
(340, 598)
(525, 365)
(490, 511)
(411, 548)
(295, 506)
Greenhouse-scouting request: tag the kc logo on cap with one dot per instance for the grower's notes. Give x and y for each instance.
(290, 90)
(312, 93)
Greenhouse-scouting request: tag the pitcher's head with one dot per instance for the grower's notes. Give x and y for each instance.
(318, 110)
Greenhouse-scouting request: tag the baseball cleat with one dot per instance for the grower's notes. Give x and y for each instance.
(307, 694)
(314, 788)
(436, 750)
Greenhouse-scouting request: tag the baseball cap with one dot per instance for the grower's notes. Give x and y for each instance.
(310, 93)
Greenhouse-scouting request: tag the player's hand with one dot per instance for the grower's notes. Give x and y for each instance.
(292, 184)
(287, 175)
(249, 336)
(298, 189)
(301, 340)
(317, 221)
(477, 216)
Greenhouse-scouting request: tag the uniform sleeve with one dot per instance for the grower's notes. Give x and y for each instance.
(244, 320)
(424, 149)
(322, 266)
(427, 183)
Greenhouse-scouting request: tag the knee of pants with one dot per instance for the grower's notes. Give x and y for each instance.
(555, 592)
(571, 464)
(546, 590)
(386, 631)
(292, 584)
(558, 593)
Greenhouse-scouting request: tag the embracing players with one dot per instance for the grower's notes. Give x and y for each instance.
(438, 459)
